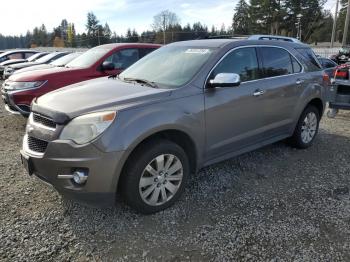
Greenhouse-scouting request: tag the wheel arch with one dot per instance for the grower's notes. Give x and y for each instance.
(179, 137)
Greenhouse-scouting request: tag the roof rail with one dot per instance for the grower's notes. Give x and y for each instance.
(274, 37)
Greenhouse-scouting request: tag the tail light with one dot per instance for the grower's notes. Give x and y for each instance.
(342, 72)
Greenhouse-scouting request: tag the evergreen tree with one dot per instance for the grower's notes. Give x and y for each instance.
(93, 29)
(241, 19)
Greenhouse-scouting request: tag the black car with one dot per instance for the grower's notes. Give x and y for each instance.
(16, 54)
(18, 61)
(9, 70)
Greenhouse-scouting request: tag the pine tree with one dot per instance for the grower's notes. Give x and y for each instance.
(241, 19)
(93, 29)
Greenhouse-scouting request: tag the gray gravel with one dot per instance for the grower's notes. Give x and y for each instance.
(273, 204)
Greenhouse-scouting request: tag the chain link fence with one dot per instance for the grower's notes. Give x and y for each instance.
(325, 52)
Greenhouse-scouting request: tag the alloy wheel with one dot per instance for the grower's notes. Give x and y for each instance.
(161, 179)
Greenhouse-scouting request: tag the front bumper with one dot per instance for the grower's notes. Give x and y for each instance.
(64, 157)
(11, 106)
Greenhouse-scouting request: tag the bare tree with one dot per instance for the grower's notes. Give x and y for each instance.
(165, 20)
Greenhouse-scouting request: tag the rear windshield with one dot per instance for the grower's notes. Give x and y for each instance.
(65, 59)
(310, 57)
(34, 57)
(46, 58)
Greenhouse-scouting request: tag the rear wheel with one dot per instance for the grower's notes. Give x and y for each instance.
(155, 176)
(306, 129)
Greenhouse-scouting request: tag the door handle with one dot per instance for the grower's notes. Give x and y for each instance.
(299, 81)
(259, 92)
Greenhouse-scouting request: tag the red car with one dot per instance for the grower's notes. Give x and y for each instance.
(20, 89)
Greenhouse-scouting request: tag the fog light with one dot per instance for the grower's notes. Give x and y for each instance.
(80, 177)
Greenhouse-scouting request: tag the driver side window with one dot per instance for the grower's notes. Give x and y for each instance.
(122, 59)
(242, 61)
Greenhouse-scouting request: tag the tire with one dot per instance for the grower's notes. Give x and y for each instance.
(156, 180)
(298, 139)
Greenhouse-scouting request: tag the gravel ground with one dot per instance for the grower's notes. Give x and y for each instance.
(273, 204)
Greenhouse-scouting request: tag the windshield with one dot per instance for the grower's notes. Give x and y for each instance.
(46, 58)
(34, 57)
(170, 66)
(65, 60)
(89, 58)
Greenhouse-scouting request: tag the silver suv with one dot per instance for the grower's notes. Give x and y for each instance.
(185, 106)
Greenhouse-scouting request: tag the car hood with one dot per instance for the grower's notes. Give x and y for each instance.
(95, 95)
(34, 67)
(42, 75)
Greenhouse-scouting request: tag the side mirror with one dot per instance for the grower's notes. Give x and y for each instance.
(107, 66)
(225, 80)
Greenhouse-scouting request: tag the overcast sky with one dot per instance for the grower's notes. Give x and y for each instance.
(18, 16)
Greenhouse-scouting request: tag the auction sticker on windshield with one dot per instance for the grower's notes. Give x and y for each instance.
(197, 51)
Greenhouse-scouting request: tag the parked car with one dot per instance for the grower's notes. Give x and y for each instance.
(16, 54)
(9, 70)
(185, 106)
(60, 62)
(18, 61)
(19, 91)
(328, 65)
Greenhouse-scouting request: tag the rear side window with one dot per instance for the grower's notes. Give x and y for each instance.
(27, 55)
(242, 61)
(15, 56)
(276, 62)
(296, 66)
(310, 57)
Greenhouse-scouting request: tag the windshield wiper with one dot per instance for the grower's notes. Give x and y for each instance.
(141, 81)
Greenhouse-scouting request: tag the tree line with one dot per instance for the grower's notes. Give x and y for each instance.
(249, 17)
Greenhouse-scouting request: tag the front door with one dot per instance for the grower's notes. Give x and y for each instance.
(235, 115)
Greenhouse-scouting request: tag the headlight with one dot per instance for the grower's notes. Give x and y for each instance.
(11, 85)
(9, 70)
(85, 128)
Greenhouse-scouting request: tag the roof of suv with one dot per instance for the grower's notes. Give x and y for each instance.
(217, 43)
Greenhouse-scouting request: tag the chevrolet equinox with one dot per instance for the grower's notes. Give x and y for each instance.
(183, 107)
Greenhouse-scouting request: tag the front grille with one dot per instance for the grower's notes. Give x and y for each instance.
(44, 121)
(37, 145)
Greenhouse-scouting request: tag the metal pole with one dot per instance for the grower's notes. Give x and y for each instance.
(164, 25)
(334, 23)
(346, 26)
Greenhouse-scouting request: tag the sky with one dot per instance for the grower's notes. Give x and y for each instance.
(18, 16)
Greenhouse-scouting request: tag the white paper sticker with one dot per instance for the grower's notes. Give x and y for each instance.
(197, 51)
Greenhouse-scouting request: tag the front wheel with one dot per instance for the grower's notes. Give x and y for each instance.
(306, 129)
(155, 176)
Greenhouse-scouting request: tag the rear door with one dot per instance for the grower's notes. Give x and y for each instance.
(282, 83)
